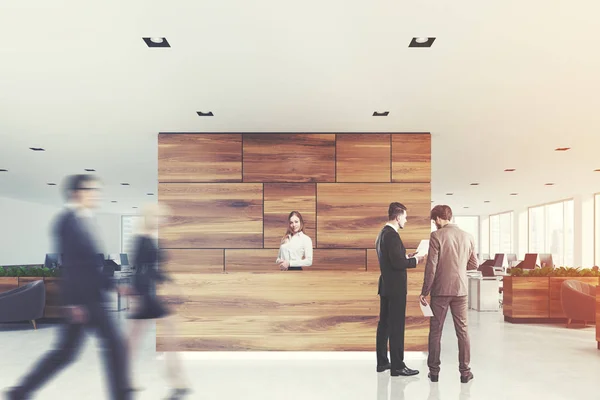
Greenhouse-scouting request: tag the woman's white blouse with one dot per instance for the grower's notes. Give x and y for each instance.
(298, 251)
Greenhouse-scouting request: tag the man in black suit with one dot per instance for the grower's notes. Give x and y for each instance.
(82, 289)
(393, 263)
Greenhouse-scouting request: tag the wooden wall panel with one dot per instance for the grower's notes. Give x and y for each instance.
(363, 158)
(212, 215)
(289, 157)
(280, 200)
(340, 259)
(195, 261)
(218, 224)
(303, 311)
(200, 158)
(350, 215)
(373, 261)
(263, 260)
(411, 157)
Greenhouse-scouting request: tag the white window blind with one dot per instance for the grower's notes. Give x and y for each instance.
(129, 228)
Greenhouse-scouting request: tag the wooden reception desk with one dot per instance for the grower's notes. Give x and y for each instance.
(284, 311)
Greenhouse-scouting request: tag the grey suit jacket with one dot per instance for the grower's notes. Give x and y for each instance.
(451, 253)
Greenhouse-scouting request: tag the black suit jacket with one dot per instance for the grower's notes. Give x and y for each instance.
(82, 280)
(392, 263)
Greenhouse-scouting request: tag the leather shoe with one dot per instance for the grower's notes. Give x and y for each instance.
(15, 394)
(433, 378)
(466, 378)
(404, 372)
(384, 367)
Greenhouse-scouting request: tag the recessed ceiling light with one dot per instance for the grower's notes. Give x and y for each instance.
(562, 149)
(514, 194)
(156, 42)
(509, 170)
(486, 201)
(133, 207)
(203, 114)
(51, 184)
(124, 184)
(90, 170)
(150, 194)
(37, 149)
(597, 170)
(114, 201)
(474, 184)
(449, 194)
(421, 42)
(381, 114)
(465, 207)
(3, 170)
(549, 184)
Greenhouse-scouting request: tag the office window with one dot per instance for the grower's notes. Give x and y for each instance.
(129, 228)
(470, 224)
(536, 229)
(501, 233)
(551, 230)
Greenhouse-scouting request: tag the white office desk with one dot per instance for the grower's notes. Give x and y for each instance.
(484, 294)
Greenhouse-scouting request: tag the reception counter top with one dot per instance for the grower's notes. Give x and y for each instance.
(284, 311)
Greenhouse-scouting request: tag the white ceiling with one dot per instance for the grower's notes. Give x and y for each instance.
(504, 84)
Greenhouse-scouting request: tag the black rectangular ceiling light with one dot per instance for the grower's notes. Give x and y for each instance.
(3, 170)
(203, 114)
(36, 149)
(156, 42)
(421, 42)
(381, 114)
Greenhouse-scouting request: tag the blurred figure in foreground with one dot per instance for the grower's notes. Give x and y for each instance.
(82, 288)
(147, 262)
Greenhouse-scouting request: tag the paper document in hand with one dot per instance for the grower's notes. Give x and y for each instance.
(423, 248)
(426, 310)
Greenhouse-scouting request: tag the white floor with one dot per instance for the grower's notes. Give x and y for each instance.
(508, 361)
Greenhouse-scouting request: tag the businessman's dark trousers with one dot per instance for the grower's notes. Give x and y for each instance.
(69, 345)
(392, 312)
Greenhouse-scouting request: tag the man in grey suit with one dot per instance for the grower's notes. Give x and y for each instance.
(451, 253)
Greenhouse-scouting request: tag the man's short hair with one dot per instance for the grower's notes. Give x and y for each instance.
(75, 183)
(395, 210)
(442, 211)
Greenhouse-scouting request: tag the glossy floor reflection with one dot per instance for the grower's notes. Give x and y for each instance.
(508, 361)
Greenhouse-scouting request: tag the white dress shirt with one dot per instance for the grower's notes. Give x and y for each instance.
(298, 251)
